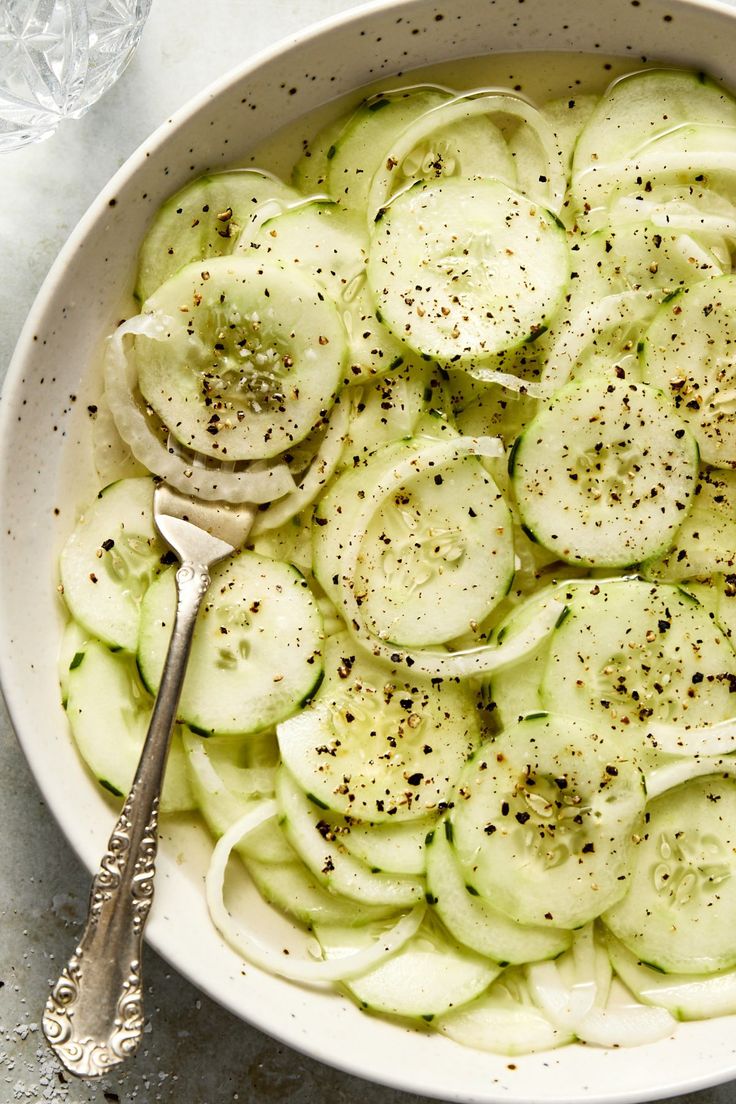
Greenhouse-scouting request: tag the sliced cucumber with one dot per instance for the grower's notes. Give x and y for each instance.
(677, 914)
(204, 220)
(385, 410)
(426, 978)
(71, 654)
(543, 818)
(503, 1021)
(225, 785)
(224, 790)
(706, 541)
(717, 595)
(605, 473)
(291, 887)
(489, 409)
(517, 690)
(686, 996)
(326, 242)
(630, 652)
(310, 172)
(248, 358)
(474, 921)
(437, 555)
(661, 259)
(291, 543)
(109, 561)
(257, 649)
(454, 139)
(462, 270)
(375, 746)
(396, 848)
(363, 145)
(109, 712)
(331, 863)
(636, 109)
(567, 116)
(688, 352)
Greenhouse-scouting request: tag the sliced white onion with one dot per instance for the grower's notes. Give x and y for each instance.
(486, 101)
(564, 1006)
(715, 739)
(648, 165)
(505, 379)
(674, 774)
(276, 962)
(674, 214)
(582, 1009)
(322, 468)
(262, 481)
(461, 664)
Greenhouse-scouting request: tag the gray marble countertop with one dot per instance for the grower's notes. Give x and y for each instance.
(194, 1052)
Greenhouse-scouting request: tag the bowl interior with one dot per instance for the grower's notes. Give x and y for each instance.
(43, 434)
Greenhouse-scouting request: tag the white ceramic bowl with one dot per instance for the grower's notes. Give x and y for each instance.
(78, 302)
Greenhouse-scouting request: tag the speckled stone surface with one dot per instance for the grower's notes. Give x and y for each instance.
(195, 1053)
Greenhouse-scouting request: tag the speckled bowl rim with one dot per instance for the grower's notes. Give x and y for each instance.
(325, 1026)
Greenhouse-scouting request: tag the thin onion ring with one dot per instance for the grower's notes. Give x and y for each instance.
(260, 482)
(273, 961)
(486, 101)
(322, 467)
(666, 777)
(472, 661)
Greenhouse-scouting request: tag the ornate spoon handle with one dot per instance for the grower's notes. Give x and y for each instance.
(94, 1016)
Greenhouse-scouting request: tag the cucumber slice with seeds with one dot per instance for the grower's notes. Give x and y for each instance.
(543, 818)
(204, 220)
(629, 652)
(248, 358)
(437, 555)
(475, 922)
(376, 744)
(463, 270)
(604, 474)
(109, 561)
(109, 712)
(453, 139)
(257, 647)
(322, 239)
(677, 913)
